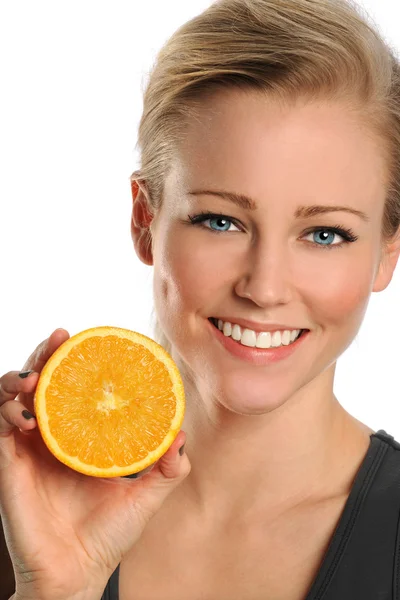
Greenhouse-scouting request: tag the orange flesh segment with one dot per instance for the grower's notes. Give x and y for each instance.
(110, 412)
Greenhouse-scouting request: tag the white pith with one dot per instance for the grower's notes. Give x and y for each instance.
(263, 339)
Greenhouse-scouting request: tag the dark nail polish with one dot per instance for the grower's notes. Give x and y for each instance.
(182, 449)
(133, 476)
(24, 374)
(27, 415)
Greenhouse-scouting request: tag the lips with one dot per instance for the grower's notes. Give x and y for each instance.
(259, 356)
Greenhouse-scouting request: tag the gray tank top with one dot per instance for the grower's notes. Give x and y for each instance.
(362, 561)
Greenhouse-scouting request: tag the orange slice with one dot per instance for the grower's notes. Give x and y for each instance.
(109, 402)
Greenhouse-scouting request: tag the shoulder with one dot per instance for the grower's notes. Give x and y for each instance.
(383, 478)
(387, 439)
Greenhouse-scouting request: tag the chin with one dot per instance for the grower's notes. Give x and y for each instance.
(249, 398)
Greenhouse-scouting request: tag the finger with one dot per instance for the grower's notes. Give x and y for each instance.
(11, 385)
(169, 464)
(10, 418)
(45, 349)
(12, 415)
(168, 473)
(174, 464)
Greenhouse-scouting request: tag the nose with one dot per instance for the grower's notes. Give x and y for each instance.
(266, 278)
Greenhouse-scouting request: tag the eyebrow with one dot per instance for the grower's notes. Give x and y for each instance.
(302, 212)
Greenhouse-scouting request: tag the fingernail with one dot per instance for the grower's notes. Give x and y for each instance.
(24, 374)
(27, 415)
(133, 476)
(182, 449)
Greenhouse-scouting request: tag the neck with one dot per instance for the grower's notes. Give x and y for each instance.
(307, 449)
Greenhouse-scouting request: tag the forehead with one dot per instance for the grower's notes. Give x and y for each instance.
(249, 144)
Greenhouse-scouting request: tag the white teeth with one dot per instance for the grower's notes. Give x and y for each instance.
(248, 338)
(227, 329)
(236, 333)
(265, 339)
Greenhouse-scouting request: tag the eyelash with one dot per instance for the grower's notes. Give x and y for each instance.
(347, 234)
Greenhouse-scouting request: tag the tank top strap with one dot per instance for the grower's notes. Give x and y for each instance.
(111, 590)
(381, 434)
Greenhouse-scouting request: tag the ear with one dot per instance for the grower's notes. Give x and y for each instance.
(389, 257)
(140, 223)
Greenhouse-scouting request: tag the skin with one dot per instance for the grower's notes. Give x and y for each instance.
(266, 438)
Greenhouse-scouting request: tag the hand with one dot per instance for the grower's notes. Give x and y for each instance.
(67, 532)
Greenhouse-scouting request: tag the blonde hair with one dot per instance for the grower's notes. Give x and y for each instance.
(283, 48)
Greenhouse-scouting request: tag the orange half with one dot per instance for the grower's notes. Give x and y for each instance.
(109, 402)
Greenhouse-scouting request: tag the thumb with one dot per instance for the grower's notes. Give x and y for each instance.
(168, 472)
(175, 463)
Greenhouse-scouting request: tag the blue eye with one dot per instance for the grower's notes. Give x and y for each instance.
(225, 222)
(221, 222)
(328, 231)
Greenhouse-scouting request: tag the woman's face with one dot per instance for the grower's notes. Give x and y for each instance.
(266, 264)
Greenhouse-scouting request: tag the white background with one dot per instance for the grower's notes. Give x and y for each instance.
(72, 76)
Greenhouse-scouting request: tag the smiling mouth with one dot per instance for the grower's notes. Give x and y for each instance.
(214, 321)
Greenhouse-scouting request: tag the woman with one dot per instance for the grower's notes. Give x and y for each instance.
(267, 201)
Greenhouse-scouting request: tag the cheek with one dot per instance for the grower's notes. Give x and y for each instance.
(342, 295)
(181, 294)
(183, 276)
